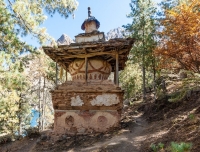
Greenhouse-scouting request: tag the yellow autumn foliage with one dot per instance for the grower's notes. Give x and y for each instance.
(180, 38)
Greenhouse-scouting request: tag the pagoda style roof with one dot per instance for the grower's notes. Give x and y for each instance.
(65, 54)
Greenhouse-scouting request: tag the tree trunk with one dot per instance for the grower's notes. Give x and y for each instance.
(117, 69)
(143, 79)
(143, 64)
(39, 125)
(154, 73)
(20, 118)
(43, 105)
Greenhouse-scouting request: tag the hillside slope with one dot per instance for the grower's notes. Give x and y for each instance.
(143, 124)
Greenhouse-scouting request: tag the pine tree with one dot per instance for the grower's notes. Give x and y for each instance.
(142, 29)
(21, 17)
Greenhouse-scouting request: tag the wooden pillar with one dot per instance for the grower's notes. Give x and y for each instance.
(66, 76)
(114, 75)
(56, 74)
(117, 69)
(86, 69)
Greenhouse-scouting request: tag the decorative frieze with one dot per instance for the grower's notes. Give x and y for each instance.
(84, 122)
(97, 69)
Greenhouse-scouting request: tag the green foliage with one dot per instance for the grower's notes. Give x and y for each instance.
(143, 30)
(177, 96)
(22, 17)
(10, 45)
(26, 16)
(168, 4)
(131, 80)
(174, 147)
(191, 116)
(158, 147)
(180, 147)
(51, 71)
(13, 104)
(190, 83)
(12, 111)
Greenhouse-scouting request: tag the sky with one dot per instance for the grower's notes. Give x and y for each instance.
(110, 13)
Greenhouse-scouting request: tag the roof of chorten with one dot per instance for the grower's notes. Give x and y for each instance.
(65, 54)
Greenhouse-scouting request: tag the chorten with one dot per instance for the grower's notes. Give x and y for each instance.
(90, 102)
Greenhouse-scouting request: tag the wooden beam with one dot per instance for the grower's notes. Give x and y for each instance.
(81, 54)
(86, 55)
(87, 90)
(117, 69)
(114, 42)
(78, 46)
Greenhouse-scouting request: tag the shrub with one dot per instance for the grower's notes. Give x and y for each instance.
(158, 147)
(180, 147)
(32, 132)
(5, 138)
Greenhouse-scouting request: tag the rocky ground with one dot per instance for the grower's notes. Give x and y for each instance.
(143, 124)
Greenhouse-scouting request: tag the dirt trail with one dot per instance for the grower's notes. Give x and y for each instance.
(130, 139)
(24, 145)
(126, 140)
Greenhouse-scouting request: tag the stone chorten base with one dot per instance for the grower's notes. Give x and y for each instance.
(83, 122)
(82, 109)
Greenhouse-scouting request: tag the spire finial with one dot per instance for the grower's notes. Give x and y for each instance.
(89, 12)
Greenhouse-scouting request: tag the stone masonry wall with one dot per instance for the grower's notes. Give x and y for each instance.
(81, 109)
(64, 100)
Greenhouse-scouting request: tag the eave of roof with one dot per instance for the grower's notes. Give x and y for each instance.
(65, 54)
